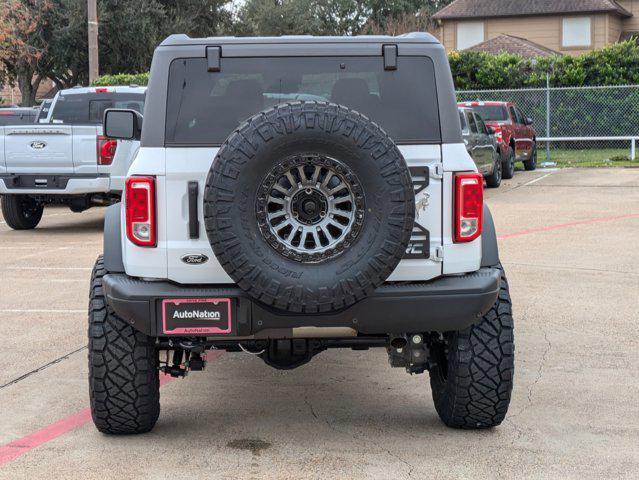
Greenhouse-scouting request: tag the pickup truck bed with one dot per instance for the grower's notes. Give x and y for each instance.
(65, 159)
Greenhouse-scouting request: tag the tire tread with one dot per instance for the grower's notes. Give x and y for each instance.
(123, 368)
(477, 391)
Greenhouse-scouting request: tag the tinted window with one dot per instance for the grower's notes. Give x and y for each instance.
(462, 120)
(89, 108)
(481, 127)
(520, 116)
(513, 114)
(492, 113)
(471, 122)
(44, 110)
(204, 107)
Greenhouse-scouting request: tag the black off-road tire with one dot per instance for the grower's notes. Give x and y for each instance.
(124, 384)
(508, 166)
(235, 185)
(494, 179)
(21, 212)
(532, 163)
(473, 377)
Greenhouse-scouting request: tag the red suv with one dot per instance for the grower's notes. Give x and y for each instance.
(514, 133)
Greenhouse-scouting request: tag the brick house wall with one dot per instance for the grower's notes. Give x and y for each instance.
(12, 96)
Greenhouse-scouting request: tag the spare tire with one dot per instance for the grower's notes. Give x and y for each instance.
(309, 207)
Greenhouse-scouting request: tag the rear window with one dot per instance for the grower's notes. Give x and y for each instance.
(88, 109)
(492, 113)
(203, 107)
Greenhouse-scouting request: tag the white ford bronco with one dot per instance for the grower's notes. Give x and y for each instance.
(293, 195)
(64, 159)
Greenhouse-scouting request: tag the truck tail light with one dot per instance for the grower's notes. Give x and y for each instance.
(106, 150)
(140, 211)
(469, 206)
(498, 132)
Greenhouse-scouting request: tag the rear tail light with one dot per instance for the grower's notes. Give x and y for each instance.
(498, 132)
(106, 150)
(469, 206)
(140, 211)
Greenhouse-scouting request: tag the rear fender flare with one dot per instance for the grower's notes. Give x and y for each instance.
(489, 248)
(113, 262)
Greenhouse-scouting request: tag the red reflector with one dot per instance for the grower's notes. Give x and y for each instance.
(469, 206)
(106, 150)
(140, 211)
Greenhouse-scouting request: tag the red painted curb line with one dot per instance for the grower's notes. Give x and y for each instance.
(569, 224)
(17, 448)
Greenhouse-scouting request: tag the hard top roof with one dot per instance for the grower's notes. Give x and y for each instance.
(414, 37)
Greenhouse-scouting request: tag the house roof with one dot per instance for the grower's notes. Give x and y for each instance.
(513, 8)
(511, 44)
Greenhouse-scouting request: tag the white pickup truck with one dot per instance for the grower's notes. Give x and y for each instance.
(65, 159)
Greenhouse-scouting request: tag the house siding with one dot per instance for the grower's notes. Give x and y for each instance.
(632, 23)
(615, 27)
(543, 29)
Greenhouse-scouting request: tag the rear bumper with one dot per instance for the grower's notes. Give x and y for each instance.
(445, 304)
(49, 184)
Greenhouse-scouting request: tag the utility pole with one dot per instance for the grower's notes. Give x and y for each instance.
(92, 10)
(547, 116)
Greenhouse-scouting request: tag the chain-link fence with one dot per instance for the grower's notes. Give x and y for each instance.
(581, 125)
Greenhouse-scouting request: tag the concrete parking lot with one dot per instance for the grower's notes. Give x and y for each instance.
(569, 241)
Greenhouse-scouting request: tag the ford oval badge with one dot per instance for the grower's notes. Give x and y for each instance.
(195, 259)
(37, 145)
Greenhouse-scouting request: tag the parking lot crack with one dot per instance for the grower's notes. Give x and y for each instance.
(310, 407)
(42, 367)
(540, 369)
(357, 437)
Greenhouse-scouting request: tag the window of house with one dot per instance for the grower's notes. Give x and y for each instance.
(469, 34)
(576, 32)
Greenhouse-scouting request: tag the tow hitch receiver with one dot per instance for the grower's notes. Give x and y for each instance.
(410, 352)
(182, 362)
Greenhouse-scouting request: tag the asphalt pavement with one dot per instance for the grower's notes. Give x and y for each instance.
(569, 241)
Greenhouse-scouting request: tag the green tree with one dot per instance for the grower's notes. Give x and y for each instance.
(278, 17)
(332, 17)
(24, 29)
(196, 18)
(129, 32)
(66, 62)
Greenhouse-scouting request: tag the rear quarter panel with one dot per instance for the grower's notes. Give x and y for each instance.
(148, 262)
(457, 257)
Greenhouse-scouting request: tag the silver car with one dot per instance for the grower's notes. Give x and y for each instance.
(481, 145)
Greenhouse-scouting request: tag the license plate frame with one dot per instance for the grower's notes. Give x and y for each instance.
(207, 316)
